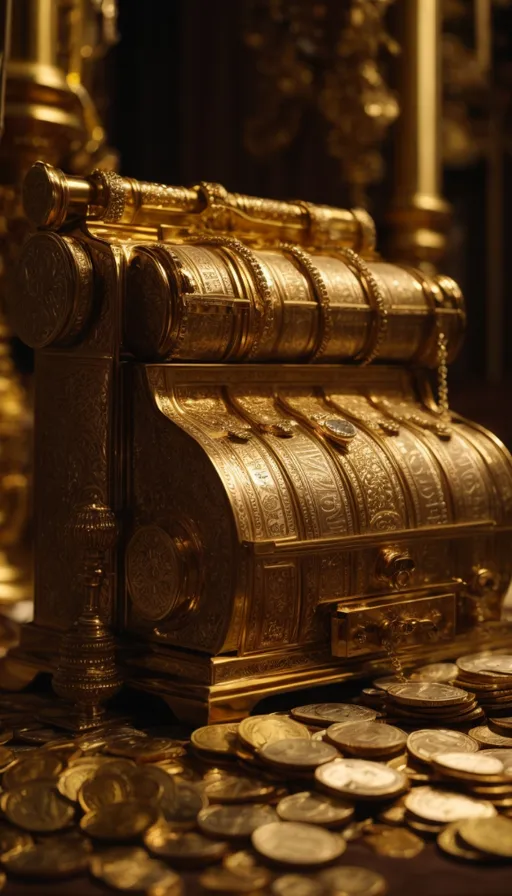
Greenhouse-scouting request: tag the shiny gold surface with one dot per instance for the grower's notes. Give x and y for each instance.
(282, 524)
(419, 215)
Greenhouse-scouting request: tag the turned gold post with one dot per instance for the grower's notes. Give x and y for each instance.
(419, 216)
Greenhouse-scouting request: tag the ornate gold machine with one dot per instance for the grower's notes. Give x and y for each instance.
(245, 384)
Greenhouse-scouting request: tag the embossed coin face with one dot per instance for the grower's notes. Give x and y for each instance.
(145, 749)
(351, 880)
(484, 736)
(361, 779)
(328, 713)
(367, 738)
(299, 753)
(500, 663)
(120, 821)
(221, 739)
(296, 885)
(38, 765)
(475, 664)
(48, 859)
(492, 836)
(473, 764)
(291, 843)
(132, 870)
(257, 731)
(444, 806)
(441, 672)
(237, 789)
(315, 808)
(234, 822)
(103, 789)
(181, 805)
(187, 849)
(37, 807)
(427, 742)
(503, 754)
(420, 693)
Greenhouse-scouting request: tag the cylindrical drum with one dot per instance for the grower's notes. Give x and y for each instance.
(218, 300)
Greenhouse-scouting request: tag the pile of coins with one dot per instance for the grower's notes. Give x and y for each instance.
(414, 703)
(263, 805)
(489, 677)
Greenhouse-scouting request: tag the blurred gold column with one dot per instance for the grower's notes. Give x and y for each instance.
(419, 216)
(49, 51)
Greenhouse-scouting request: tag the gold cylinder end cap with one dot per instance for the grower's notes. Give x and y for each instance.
(49, 195)
(148, 313)
(162, 574)
(50, 299)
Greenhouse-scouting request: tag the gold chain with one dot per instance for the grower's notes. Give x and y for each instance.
(442, 373)
(389, 645)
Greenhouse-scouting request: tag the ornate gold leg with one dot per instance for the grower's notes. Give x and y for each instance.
(87, 673)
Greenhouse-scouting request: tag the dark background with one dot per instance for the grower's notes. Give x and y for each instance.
(182, 84)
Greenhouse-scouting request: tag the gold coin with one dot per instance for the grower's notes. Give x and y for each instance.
(6, 736)
(257, 731)
(297, 753)
(37, 806)
(426, 743)
(329, 713)
(500, 663)
(450, 842)
(219, 739)
(163, 779)
(222, 880)
(187, 849)
(50, 859)
(120, 822)
(12, 839)
(314, 808)
(367, 739)
(297, 885)
(103, 789)
(236, 789)
(470, 766)
(503, 754)
(492, 836)
(487, 738)
(351, 880)
(394, 814)
(145, 749)
(143, 787)
(394, 842)
(361, 779)
(441, 672)
(234, 822)
(502, 725)
(181, 806)
(420, 693)
(38, 765)
(292, 843)
(385, 682)
(444, 806)
(132, 870)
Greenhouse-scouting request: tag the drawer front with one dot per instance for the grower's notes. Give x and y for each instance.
(382, 626)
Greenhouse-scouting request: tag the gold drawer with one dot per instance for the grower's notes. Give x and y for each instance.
(383, 625)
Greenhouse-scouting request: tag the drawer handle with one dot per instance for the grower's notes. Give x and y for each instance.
(395, 566)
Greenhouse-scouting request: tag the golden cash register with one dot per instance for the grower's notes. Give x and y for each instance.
(244, 383)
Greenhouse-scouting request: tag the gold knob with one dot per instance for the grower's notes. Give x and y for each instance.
(395, 566)
(484, 580)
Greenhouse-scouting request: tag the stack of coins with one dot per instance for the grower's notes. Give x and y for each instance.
(420, 704)
(367, 740)
(489, 677)
(429, 809)
(482, 775)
